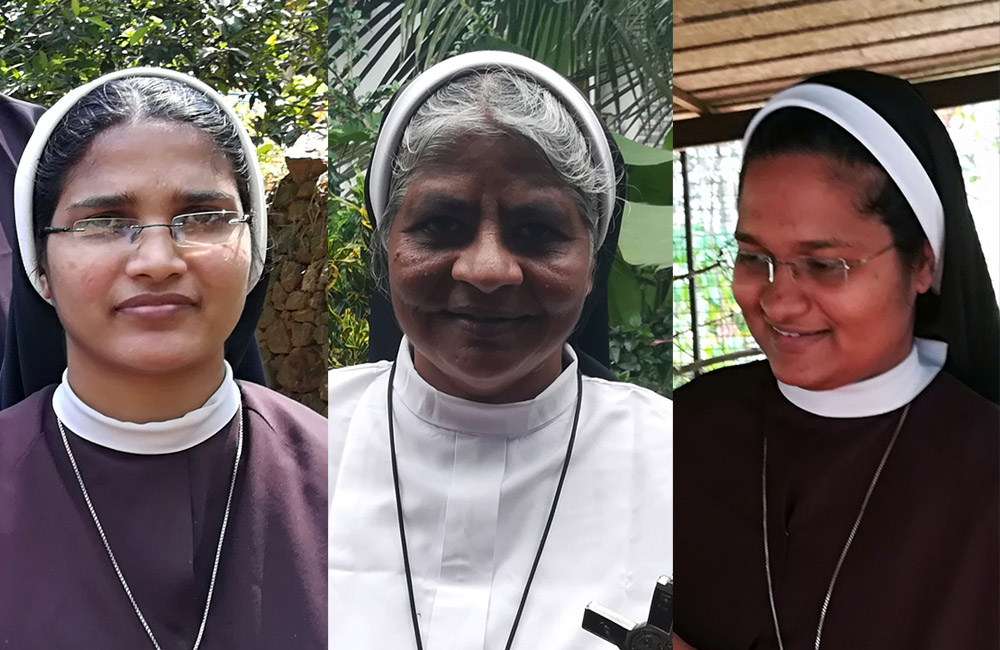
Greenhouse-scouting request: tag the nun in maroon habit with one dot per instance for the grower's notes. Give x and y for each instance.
(148, 499)
(844, 493)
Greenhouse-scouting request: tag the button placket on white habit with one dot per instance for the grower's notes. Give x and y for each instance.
(462, 602)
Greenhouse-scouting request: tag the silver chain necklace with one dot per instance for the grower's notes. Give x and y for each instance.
(847, 544)
(111, 555)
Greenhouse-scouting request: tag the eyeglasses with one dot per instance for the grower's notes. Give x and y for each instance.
(210, 228)
(824, 272)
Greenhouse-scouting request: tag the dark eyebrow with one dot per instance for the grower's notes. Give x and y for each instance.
(545, 210)
(129, 198)
(440, 202)
(106, 201)
(820, 244)
(812, 245)
(198, 196)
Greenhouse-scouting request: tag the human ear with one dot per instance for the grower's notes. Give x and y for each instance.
(43, 279)
(924, 273)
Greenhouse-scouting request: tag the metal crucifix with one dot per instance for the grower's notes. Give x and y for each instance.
(654, 634)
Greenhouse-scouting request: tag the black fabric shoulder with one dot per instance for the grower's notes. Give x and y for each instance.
(727, 384)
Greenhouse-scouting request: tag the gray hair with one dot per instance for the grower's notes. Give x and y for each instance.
(132, 100)
(494, 103)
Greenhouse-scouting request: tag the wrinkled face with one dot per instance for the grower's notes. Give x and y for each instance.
(489, 266)
(154, 307)
(822, 338)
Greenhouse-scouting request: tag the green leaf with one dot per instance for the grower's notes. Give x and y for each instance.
(624, 294)
(645, 238)
(651, 184)
(490, 42)
(636, 154)
(100, 23)
(137, 35)
(74, 5)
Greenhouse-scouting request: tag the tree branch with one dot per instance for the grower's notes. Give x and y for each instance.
(704, 363)
(688, 276)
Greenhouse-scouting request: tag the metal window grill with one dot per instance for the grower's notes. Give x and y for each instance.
(709, 331)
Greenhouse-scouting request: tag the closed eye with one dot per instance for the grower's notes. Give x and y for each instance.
(822, 264)
(744, 257)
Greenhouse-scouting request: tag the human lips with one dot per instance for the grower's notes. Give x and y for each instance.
(485, 321)
(795, 332)
(484, 314)
(156, 305)
(794, 339)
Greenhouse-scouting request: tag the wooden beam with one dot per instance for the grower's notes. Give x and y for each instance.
(686, 10)
(689, 102)
(855, 35)
(952, 64)
(821, 61)
(790, 17)
(944, 93)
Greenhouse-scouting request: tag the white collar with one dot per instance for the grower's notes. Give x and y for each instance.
(880, 394)
(466, 416)
(151, 438)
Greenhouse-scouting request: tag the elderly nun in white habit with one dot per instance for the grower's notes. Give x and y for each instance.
(484, 488)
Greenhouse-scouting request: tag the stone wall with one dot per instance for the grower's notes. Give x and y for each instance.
(293, 327)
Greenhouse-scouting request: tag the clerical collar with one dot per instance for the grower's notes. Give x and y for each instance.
(883, 393)
(466, 416)
(151, 438)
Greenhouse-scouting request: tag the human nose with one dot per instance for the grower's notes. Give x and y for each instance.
(487, 264)
(782, 297)
(154, 255)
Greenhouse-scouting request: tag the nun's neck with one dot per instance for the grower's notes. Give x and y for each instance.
(143, 397)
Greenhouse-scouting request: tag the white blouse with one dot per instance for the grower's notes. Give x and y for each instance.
(477, 483)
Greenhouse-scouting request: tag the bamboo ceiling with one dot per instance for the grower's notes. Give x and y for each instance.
(731, 55)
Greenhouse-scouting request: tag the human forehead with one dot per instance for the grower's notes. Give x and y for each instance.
(799, 197)
(499, 154)
(156, 153)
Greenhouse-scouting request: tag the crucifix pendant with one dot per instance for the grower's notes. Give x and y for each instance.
(654, 634)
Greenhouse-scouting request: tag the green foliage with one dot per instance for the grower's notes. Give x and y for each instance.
(640, 333)
(270, 51)
(617, 52)
(353, 116)
(350, 276)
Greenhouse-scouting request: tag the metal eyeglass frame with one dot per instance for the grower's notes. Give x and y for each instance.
(795, 268)
(134, 231)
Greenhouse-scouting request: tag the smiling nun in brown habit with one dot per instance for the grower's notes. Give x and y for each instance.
(844, 492)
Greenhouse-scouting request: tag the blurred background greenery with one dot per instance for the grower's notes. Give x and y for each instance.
(268, 56)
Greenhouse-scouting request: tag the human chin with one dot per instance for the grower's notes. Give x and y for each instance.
(487, 373)
(797, 358)
(144, 351)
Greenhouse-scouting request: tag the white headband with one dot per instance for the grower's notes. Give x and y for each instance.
(878, 137)
(427, 83)
(24, 180)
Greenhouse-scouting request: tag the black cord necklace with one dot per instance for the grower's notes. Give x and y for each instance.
(545, 532)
